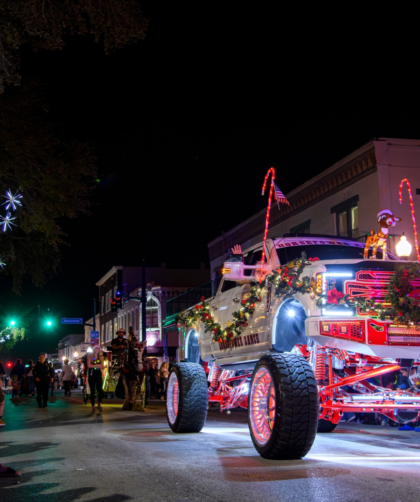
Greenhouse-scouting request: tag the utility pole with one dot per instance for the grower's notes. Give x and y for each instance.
(143, 301)
(94, 314)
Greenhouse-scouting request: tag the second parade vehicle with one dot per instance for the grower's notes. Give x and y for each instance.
(297, 364)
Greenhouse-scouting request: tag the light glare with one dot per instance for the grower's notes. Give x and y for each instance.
(337, 312)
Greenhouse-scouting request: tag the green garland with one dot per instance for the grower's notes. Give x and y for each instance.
(201, 312)
(287, 282)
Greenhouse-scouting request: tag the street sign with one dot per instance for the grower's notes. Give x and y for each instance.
(71, 320)
(94, 338)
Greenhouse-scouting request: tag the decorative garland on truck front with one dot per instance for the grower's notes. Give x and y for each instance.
(405, 301)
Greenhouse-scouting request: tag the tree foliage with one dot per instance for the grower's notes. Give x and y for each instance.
(43, 24)
(10, 335)
(53, 178)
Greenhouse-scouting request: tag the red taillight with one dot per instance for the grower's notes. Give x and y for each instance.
(350, 330)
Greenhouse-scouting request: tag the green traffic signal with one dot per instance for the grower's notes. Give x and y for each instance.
(49, 323)
(12, 323)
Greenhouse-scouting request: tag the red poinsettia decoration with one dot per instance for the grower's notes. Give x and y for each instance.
(333, 296)
(414, 294)
(202, 299)
(313, 259)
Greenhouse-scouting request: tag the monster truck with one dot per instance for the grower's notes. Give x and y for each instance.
(297, 366)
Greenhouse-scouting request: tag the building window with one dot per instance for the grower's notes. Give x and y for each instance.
(347, 217)
(303, 228)
(152, 311)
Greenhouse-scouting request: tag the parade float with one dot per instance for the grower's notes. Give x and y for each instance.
(300, 333)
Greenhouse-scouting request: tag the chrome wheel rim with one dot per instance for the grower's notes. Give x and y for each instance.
(172, 398)
(262, 406)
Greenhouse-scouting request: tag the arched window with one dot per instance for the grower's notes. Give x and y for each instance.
(152, 313)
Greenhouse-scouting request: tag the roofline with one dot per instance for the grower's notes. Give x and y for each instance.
(355, 153)
(109, 274)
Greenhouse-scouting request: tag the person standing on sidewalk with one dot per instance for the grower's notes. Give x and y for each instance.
(2, 398)
(95, 364)
(43, 379)
(18, 370)
(66, 377)
(53, 377)
(164, 375)
(30, 376)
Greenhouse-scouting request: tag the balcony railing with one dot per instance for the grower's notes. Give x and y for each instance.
(188, 299)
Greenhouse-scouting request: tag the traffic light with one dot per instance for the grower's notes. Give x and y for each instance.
(113, 305)
(9, 364)
(118, 300)
(48, 323)
(12, 323)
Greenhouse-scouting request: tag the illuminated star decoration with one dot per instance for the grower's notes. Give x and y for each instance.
(12, 200)
(6, 221)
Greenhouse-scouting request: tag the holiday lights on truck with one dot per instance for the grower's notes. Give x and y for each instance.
(290, 337)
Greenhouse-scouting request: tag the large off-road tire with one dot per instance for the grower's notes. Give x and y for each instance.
(187, 398)
(283, 406)
(325, 425)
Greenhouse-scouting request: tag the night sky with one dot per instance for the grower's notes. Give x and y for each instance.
(185, 124)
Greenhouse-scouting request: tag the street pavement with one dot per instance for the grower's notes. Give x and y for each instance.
(67, 454)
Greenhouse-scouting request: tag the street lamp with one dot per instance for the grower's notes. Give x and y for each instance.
(403, 247)
(63, 358)
(75, 355)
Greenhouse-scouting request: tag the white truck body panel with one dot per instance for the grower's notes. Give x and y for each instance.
(259, 337)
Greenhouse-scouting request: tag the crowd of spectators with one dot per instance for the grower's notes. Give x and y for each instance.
(22, 382)
(157, 379)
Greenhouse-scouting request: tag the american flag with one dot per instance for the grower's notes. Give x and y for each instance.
(279, 196)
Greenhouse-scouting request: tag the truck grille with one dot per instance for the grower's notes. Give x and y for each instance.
(401, 335)
(372, 284)
(350, 330)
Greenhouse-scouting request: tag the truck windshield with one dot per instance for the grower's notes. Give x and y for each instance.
(324, 252)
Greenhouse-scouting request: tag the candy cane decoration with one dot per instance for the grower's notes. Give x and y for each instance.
(412, 213)
(267, 218)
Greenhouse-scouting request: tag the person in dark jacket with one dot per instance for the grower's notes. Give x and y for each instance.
(18, 370)
(43, 378)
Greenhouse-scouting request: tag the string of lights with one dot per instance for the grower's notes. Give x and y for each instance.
(267, 218)
(413, 217)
